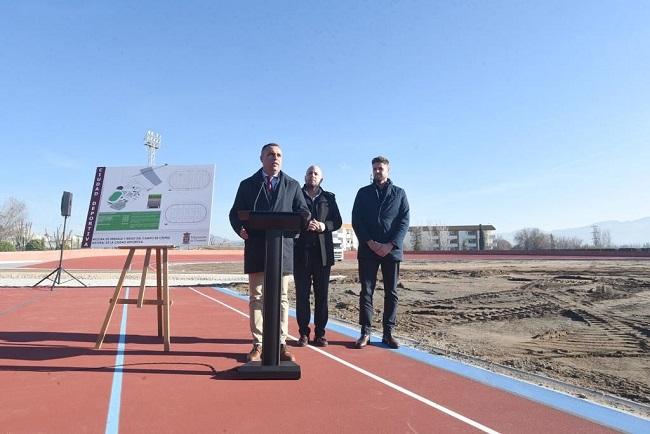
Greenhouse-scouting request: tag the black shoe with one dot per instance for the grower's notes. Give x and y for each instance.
(303, 341)
(320, 341)
(362, 341)
(391, 342)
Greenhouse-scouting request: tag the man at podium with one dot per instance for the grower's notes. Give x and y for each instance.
(268, 189)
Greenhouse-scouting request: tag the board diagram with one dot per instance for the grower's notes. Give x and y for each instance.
(162, 205)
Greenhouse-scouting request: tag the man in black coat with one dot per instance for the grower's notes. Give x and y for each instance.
(380, 219)
(314, 256)
(268, 189)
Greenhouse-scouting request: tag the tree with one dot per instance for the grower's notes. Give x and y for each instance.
(22, 234)
(7, 246)
(443, 237)
(429, 240)
(531, 239)
(53, 241)
(48, 240)
(568, 243)
(12, 214)
(416, 234)
(35, 245)
(501, 244)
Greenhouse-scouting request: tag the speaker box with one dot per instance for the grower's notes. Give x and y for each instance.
(66, 204)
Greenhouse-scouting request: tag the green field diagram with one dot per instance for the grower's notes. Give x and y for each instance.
(127, 221)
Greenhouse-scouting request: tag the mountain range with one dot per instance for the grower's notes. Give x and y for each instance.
(634, 233)
(218, 241)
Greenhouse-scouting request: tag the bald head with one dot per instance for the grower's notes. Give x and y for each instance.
(313, 176)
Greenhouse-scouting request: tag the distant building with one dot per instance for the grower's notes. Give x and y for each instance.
(454, 238)
(348, 238)
(467, 237)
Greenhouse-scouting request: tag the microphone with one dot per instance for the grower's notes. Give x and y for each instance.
(258, 195)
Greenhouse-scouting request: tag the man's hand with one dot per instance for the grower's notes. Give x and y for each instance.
(316, 226)
(243, 233)
(384, 249)
(380, 249)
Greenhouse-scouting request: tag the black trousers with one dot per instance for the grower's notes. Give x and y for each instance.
(368, 277)
(308, 270)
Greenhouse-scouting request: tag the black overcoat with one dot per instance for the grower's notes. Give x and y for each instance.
(252, 196)
(327, 210)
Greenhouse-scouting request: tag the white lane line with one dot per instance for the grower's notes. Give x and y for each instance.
(377, 378)
(220, 302)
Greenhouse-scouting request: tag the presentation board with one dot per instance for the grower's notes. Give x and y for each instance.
(150, 206)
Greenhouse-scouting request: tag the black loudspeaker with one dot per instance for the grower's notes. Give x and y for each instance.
(66, 204)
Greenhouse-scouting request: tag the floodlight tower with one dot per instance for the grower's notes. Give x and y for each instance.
(152, 142)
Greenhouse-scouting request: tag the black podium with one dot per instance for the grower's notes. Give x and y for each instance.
(275, 225)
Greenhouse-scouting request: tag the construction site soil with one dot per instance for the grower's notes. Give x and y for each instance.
(582, 322)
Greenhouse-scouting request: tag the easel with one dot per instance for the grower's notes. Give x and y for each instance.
(162, 292)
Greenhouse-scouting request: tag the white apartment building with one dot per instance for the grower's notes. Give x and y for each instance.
(467, 237)
(349, 239)
(453, 238)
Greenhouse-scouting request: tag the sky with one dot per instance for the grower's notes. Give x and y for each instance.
(510, 113)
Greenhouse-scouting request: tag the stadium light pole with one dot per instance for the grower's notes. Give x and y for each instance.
(152, 142)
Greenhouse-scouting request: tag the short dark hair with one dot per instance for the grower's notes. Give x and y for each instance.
(268, 145)
(380, 159)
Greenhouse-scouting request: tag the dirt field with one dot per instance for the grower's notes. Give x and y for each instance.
(585, 323)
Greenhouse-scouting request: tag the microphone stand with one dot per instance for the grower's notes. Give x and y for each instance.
(58, 270)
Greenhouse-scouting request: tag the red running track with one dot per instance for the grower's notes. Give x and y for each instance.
(54, 381)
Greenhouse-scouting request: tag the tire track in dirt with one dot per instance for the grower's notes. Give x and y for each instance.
(582, 322)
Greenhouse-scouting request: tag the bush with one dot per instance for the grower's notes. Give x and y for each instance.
(35, 245)
(6, 246)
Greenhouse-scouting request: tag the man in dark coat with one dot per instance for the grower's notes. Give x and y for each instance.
(314, 256)
(380, 219)
(269, 189)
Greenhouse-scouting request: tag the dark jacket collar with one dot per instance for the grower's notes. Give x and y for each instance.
(260, 174)
(320, 191)
(388, 183)
(387, 188)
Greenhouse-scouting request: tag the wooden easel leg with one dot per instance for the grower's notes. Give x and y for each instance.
(166, 330)
(159, 297)
(143, 280)
(113, 302)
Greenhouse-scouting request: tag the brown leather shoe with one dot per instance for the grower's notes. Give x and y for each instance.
(303, 341)
(391, 342)
(256, 353)
(320, 341)
(362, 341)
(285, 355)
